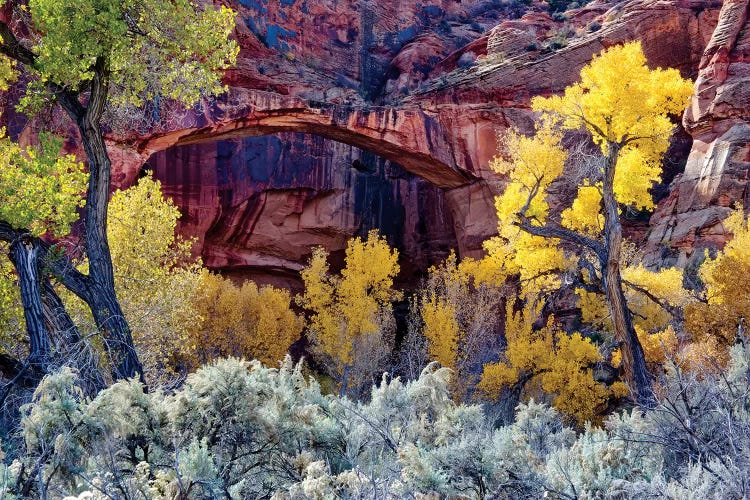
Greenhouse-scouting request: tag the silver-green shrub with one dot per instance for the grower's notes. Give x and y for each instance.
(239, 430)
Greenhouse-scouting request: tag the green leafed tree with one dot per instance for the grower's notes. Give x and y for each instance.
(91, 56)
(40, 193)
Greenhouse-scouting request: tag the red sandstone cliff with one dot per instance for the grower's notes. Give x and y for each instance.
(347, 115)
(716, 173)
(427, 87)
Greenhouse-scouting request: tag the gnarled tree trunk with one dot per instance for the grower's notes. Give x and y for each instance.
(96, 289)
(24, 253)
(102, 299)
(633, 359)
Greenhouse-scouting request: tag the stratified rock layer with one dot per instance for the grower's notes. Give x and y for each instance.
(426, 87)
(716, 174)
(343, 116)
(257, 205)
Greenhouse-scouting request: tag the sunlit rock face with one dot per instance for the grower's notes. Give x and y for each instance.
(347, 115)
(383, 115)
(716, 174)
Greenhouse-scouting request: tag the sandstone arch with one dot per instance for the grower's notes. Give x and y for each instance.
(410, 136)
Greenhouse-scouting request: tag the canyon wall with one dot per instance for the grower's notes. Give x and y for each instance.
(340, 110)
(347, 115)
(258, 204)
(715, 178)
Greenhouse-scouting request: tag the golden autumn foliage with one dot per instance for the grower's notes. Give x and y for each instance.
(181, 315)
(534, 163)
(658, 347)
(653, 294)
(350, 316)
(584, 215)
(141, 229)
(634, 112)
(620, 100)
(663, 348)
(708, 354)
(441, 329)
(624, 107)
(242, 321)
(727, 289)
(458, 308)
(551, 361)
(155, 276)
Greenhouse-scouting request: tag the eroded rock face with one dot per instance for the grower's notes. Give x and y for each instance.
(716, 174)
(258, 205)
(425, 85)
(338, 110)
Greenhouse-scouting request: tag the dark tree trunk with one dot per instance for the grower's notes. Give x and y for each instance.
(56, 316)
(24, 253)
(633, 359)
(96, 289)
(104, 305)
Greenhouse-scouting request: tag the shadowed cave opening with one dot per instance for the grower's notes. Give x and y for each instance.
(258, 205)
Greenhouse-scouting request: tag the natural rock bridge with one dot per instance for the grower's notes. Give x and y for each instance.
(419, 141)
(266, 171)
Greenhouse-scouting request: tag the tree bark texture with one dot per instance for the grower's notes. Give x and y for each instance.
(24, 253)
(103, 301)
(96, 289)
(633, 359)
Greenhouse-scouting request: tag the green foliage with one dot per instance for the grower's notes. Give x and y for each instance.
(12, 323)
(556, 6)
(40, 190)
(8, 74)
(150, 51)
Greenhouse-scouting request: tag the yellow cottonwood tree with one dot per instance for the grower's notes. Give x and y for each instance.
(550, 361)
(442, 330)
(241, 321)
(658, 297)
(351, 317)
(458, 308)
(182, 315)
(625, 109)
(725, 310)
(156, 277)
